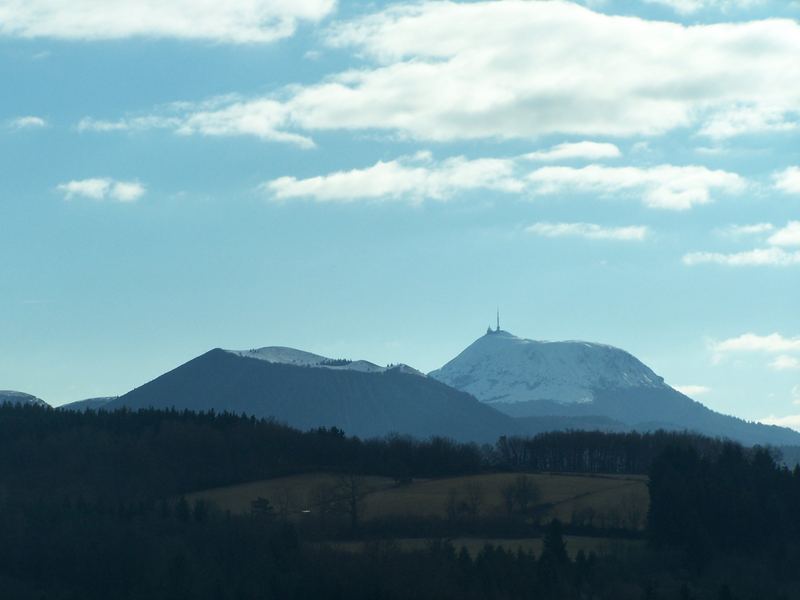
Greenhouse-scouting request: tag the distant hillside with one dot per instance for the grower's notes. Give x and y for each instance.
(12, 397)
(790, 456)
(653, 409)
(363, 402)
(582, 380)
(88, 404)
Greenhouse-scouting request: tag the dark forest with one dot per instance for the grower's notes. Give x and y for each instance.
(92, 505)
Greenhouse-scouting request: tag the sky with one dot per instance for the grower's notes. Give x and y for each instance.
(372, 180)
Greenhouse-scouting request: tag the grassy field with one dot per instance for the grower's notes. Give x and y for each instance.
(614, 501)
(296, 491)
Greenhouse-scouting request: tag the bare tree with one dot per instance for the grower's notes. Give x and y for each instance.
(285, 501)
(261, 508)
(350, 491)
(633, 509)
(508, 493)
(323, 501)
(526, 492)
(451, 505)
(474, 494)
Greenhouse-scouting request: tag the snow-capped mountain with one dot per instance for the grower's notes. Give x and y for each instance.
(12, 397)
(300, 358)
(534, 379)
(306, 390)
(501, 367)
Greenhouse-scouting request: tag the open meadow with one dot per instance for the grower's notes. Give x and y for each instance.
(598, 500)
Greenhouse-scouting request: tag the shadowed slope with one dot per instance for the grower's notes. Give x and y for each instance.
(361, 403)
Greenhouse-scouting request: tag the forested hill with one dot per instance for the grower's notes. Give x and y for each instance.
(366, 404)
(150, 453)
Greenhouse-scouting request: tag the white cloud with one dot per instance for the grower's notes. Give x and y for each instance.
(28, 122)
(576, 150)
(776, 344)
(265, 119)
(89, 124)
(126, 191)
(693, 390)
(748, 119)
(666, 186)
(590, 231)
(510, 69)
(102, 189)
(746, 230)
(788, 236)
(447, 71)
(750, 342)
(790, 421)
(412, 179)
(784, 362)
(693, 6)
(231, 21)
(751, 258)
(788, 181)
(420, 177)
(261, 118)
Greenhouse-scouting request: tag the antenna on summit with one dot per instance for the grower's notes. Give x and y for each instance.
(498, 319)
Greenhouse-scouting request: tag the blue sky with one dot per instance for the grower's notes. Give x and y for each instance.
(370, 180)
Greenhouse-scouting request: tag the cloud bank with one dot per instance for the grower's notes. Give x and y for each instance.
(666, 186)
(663, 187)
(231, 21)
(412, 179)
(446, 71)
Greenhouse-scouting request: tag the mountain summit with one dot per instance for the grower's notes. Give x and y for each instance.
(501, 367)
(528, 378)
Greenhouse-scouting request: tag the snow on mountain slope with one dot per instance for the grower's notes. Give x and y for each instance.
(501, 367)
(88, 403)
(12, 397)
(283, 355)
(300, 358)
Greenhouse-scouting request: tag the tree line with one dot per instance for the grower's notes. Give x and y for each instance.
(597, 451)
(155, 453)
(152, 453)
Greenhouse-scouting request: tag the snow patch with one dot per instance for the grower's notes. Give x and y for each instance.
(501, 367)
(300, 358)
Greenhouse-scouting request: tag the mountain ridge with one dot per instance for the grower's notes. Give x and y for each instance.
(15, 397)
(367, 404)
(529, 378)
